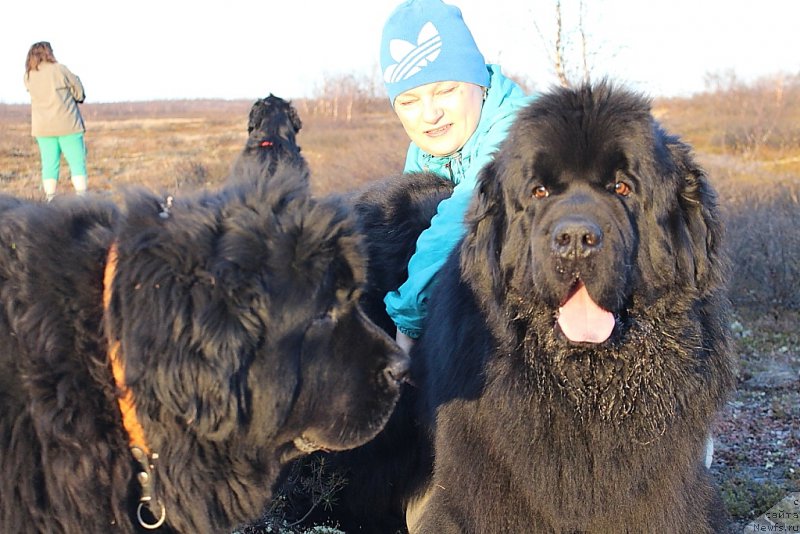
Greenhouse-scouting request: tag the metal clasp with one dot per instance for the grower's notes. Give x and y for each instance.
(147, 481)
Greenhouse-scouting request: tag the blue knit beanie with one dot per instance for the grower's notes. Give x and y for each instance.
(426, 41)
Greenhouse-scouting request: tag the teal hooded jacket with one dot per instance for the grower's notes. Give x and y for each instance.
(408, 305)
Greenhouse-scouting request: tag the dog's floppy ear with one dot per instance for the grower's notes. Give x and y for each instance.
(294, 117)
(483, 243)
(254, 115)
(188, 329)
(698, 202)
(198, 370)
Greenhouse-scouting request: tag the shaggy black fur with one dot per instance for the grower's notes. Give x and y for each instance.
(532, 432)
(272, 127)
(391, 213)
(536, 433)
(236, 312)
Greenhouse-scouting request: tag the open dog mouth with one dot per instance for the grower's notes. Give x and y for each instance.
(581, 319)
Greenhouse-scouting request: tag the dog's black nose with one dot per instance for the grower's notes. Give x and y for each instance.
(398, 367)
(576, 237)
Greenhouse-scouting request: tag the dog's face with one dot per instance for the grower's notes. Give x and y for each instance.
(588, 206)
(239, 321)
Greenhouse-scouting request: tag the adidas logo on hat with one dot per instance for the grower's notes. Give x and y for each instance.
(426, 41)
(412, 58)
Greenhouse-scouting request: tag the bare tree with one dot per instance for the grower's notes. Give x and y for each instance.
(559, 50)
(338, 95)
(754, 115)
(584, 51)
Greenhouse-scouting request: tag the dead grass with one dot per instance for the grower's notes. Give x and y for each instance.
(189, 144)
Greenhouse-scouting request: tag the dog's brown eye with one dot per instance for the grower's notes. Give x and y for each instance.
(622, 189)
(541, 192)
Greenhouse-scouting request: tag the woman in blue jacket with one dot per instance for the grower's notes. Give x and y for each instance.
(456, 110)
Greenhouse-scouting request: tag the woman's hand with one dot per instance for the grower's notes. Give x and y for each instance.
(404, 341)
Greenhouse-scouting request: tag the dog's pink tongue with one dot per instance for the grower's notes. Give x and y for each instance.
(583, 321)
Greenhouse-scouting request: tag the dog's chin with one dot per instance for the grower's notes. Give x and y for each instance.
(348, 438)
(299, 446)
(306, 445)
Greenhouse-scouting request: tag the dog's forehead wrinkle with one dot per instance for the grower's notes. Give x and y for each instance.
(542, 165)
(549, 168)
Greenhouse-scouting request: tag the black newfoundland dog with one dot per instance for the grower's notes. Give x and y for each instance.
(377, 476)
(160, 362)
(272, 127)
(576, 349)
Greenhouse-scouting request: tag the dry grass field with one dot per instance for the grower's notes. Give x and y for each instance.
(747, 137)
(180, 145)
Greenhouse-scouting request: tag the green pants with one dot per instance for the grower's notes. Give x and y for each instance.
(73, 148)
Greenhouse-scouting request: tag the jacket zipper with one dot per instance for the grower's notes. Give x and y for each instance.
(455, 168)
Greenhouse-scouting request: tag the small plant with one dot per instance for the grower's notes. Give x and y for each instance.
(307, 486)
(746, 498)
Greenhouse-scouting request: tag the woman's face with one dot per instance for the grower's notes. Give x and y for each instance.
(440, 117)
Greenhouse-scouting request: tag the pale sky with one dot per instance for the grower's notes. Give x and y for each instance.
(175, 49)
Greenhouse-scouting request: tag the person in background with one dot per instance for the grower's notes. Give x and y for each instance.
(56, 121)
(456, 110)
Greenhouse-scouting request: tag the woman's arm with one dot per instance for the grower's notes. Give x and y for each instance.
(75, 86)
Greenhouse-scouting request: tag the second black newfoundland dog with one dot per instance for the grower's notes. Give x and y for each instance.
(160, 362)
(272, 127)
(576, 349)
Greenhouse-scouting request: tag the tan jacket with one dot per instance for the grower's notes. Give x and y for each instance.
(55, 95)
